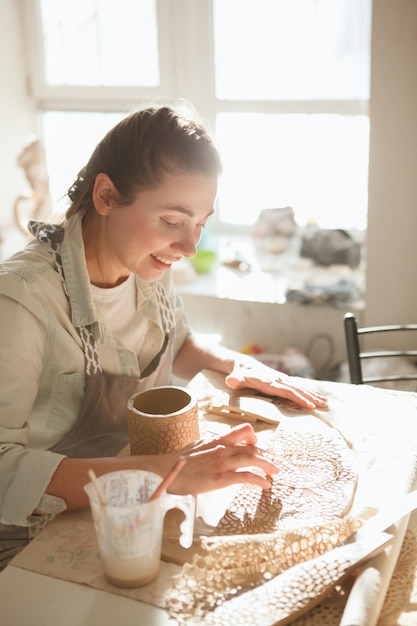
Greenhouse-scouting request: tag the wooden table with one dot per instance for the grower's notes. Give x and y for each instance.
(382, 428)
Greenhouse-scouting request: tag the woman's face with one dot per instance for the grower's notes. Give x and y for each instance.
(161, 226)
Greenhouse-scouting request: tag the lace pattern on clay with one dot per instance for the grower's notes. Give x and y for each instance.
(315, 484)
(263, 534)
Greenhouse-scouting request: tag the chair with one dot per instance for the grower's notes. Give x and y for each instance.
(356, 357)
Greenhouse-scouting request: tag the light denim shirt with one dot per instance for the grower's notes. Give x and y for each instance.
(42, 362)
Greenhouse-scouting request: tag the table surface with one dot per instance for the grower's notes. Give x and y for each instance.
(27, 597)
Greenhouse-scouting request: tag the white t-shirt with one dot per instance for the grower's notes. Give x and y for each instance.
(116, 307)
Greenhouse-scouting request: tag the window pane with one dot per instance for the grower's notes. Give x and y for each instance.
(292, 49)
(317, 164)
(100, 42)
(65, 153)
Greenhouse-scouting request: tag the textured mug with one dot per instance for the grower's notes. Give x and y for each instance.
(162, 420)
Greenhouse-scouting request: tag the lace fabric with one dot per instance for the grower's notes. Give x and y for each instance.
(263, 534)
(227, 566)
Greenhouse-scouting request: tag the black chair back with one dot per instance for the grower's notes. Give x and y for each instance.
(355, 356)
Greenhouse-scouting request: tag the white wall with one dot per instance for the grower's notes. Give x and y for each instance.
(317, 331)
(392, 219)
(17, 116)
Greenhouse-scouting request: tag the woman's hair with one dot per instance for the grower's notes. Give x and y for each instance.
(141, 149)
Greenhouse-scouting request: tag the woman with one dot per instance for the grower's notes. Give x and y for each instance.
(89, 317)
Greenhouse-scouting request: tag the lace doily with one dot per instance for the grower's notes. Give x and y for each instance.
(227, 566)
(263, 534)
(293, 592)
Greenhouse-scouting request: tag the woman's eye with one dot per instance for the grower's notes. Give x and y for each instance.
(169, 224)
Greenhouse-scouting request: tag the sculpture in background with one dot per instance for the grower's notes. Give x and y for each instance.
(35, 203)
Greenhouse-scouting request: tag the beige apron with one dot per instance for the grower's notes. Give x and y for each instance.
(101, 427)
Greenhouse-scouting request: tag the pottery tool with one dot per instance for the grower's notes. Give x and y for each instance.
(245, 408)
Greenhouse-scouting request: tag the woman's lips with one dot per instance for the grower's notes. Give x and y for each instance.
(164, 260)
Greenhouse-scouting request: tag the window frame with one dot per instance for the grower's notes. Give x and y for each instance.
(95, 98)
(180, 46)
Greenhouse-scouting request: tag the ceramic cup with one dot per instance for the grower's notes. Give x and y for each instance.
(129, 528)
(162, 420)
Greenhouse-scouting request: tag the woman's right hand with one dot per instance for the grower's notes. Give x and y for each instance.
(222, 461)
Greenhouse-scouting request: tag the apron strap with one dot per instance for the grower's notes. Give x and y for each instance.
(53, 235)
(165, 306)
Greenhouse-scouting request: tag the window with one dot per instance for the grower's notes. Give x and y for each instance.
(283, 83)
(291, 49)
(85, 45)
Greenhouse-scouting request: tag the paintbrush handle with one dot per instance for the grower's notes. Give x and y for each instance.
(172, 474)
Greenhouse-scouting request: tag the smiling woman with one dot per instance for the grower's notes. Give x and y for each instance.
(90, 316)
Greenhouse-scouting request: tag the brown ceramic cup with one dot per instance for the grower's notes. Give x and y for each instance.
(162, 420)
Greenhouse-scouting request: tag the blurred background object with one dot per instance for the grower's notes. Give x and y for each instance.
(35, 202)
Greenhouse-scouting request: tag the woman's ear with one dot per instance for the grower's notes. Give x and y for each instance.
(104, 194)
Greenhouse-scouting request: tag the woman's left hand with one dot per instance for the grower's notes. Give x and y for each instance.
(255, 375)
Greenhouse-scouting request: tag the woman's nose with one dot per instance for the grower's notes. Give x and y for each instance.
(188, 245)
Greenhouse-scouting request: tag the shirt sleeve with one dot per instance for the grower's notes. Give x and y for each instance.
(25, 472)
